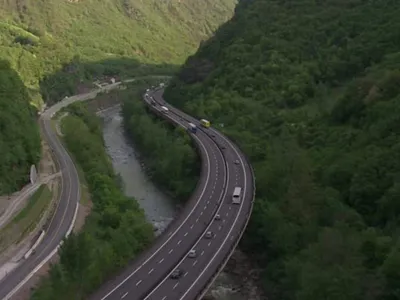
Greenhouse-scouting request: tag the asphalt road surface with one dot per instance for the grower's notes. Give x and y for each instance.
(60, 222)
(223, 168)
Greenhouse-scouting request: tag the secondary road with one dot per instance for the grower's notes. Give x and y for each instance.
(223, 168)
(61, 221)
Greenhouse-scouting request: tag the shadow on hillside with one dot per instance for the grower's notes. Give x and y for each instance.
(77, 76)
(19, 135)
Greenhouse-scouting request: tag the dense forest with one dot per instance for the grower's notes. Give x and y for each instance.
(167, 150)
(58, 48)
(311, 92)
(115, 231)
(19, 135)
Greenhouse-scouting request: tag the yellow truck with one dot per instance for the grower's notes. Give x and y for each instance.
(205, 123)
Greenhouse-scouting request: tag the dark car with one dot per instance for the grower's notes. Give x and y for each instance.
(177, 273)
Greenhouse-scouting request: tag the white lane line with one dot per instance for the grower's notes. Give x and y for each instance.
(161, 260)
(197, 220)
(180, 241)
(219, 227)
(205, 207)
(191, 227)
(201, 213)
(185, 274)
(176, 284)
(151, 271)
(230, 207)
(170, 251)
(226, 214)
(208, 201)
(165, 297)
(124, 295)
(202, 252)
(209, 243)
(179, 227)
(223, 195)
(230, 231)
(139, 282)
(195, 262)
(186, 233)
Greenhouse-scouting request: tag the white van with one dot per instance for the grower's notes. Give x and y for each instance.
(236, 198)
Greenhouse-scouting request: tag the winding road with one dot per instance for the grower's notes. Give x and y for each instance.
(223, 168)
(209, 209)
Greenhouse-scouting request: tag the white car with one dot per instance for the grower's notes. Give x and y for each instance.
(192, 253)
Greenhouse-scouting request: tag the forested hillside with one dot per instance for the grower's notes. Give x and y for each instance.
(56, 46)
(39, 37)
(311, 91)
(19, 135)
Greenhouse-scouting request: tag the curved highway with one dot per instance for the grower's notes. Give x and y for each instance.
(224, 167)
(61, 222)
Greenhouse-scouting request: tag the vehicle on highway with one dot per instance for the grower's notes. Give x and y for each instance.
(208, 235)
(205, 123)
(164, 109)
(236, 195)
(192, 128)
(237, 162)
(192, 253)
(177, 273)
(217, 217)
(153, 103)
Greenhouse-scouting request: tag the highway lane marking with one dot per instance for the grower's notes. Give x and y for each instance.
(205, 207)
(195, 262)
(223, 195)
(124, 295)
(197, 220)
(176, 284)
(233, 225)
(230, 207)
(201, 213)
(186, 233)
(179, 227)
(180, 241)
(226, 214)
(223, 221)
(232, 237)
(191, 227)
(165, 297)
(161, 260)
(202, 252)
(151, 271)
(219, 227)
(170, 251)
(209, 243)
(208, 201)
(139, 282)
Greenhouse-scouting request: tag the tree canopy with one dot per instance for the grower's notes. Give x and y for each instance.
(311, 91)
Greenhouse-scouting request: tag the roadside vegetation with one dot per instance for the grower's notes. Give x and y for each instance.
(167, 151)
(19, 135)
(27, 219)
(311, 92)
(115, 231)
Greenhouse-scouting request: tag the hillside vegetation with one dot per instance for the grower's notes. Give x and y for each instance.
(58, 48)
(38, 37)
(311, 91)
(19, 135)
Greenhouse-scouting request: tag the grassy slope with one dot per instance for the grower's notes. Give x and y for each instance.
(311, 91)
(151, 31)
(38, 38)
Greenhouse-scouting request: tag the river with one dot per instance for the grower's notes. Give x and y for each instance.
(159, 208)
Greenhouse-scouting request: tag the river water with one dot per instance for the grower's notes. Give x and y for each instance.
(159, 209)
